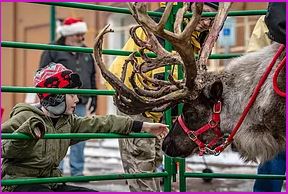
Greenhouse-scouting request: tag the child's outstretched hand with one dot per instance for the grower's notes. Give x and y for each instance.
(158, 129)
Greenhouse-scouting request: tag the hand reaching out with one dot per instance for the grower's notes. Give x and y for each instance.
(158, 129)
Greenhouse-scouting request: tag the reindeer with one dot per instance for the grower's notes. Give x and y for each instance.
(207, 96)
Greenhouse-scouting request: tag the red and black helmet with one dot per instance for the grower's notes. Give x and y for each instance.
(56, 75)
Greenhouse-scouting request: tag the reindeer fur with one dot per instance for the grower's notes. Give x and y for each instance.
(262, 134)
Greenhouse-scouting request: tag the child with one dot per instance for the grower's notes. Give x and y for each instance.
(41, 157)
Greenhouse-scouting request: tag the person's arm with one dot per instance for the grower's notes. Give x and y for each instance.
(101, 124)
(21, 123)
(115, 124)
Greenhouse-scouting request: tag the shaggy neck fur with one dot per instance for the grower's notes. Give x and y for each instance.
(262, 134)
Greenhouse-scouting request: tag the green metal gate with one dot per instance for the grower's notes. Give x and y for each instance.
(169, 163)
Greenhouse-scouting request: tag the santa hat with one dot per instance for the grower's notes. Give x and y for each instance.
(72, 26)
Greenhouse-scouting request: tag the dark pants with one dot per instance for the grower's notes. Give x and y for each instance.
(45, 188)
(275, 166)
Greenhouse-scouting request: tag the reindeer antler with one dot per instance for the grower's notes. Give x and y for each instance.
(181, 40)
(153, 94)
(214, 33)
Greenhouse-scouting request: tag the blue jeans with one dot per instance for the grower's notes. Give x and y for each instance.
(77, 150)
(275, 166)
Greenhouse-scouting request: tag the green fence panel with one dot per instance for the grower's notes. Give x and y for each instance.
(169, 162)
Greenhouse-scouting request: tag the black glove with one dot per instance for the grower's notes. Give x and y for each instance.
(93, 105)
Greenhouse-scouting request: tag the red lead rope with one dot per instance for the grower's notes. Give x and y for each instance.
(252, 99)
(275, 86)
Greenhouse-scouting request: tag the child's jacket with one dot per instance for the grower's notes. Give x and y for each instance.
(40, 158)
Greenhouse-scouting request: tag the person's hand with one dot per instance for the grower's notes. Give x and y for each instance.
(93, 105)
(38, 132)
(158, 129)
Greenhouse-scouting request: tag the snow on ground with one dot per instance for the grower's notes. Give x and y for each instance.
(103, 157)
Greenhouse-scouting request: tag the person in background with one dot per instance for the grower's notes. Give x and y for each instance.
(72, 33)
(38, 157)
(144, 154)
(269, 28)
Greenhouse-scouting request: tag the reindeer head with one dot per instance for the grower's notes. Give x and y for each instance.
(196, 115)
(154, 94)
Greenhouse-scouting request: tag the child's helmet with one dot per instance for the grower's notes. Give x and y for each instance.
(55, 75)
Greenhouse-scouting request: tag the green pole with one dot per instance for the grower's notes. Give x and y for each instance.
(151, 13)
(25, 45)
(52, 23)
(25, 181)
(167, 113)
(90, 92)
(182, 178)
(168, 169)
(23, 136)
(180, 76)
(234, 176)
(232, 13)
(89, 6)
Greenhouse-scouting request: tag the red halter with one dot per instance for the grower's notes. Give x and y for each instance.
(213, 124)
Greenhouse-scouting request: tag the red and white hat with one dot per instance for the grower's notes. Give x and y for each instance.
(72, 26)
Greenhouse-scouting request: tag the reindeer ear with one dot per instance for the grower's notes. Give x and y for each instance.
(216, 90)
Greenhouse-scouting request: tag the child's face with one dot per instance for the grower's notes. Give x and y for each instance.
(71, 101)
